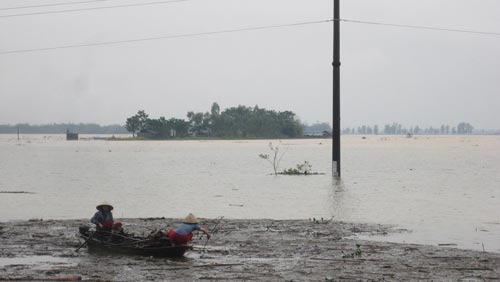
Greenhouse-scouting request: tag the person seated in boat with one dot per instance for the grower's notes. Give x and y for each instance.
(103, 218)
(184, 234)
(118, 228)
(117, 233)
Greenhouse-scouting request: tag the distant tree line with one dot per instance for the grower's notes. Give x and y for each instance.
(317, 128)
(398, 129)
(234, 122)
(61, 128)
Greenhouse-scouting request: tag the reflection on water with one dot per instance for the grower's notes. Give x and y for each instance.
(338, 208)
(444, 189)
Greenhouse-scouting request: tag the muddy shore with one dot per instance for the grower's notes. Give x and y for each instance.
(240, 250)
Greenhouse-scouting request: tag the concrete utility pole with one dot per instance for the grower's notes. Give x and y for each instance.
(336, 91)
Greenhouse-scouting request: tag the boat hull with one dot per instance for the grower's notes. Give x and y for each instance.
(134, 246)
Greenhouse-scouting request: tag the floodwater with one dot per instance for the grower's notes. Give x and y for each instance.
(445, 190)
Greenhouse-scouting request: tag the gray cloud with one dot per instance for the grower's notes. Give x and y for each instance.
(388, 74)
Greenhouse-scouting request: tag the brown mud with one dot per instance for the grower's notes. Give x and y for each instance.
(240, 250)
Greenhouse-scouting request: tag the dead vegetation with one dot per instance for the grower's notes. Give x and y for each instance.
(241, 250)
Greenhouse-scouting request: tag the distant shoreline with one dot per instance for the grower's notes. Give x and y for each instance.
(285, 138)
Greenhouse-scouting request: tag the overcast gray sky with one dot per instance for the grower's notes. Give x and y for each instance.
(388, 74)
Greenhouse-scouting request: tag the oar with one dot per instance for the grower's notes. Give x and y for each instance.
(214, 227)
(84, 243)
(211, 231)
(216, 224)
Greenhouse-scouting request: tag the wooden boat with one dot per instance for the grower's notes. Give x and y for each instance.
(123, 244)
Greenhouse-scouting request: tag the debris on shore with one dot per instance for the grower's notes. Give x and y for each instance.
(240, 250)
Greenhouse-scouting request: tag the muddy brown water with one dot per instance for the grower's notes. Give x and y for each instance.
(443, 188)
(241, 250)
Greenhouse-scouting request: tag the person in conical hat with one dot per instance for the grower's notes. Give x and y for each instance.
(103, 218)
(191, 219)
(184, 234)
(104, 205)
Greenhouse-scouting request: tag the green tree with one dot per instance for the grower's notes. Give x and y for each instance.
(143, 119)
(215, 110)
(196, 122)
(133, 125)
(464, 128)
(234, 122)
(180, 126)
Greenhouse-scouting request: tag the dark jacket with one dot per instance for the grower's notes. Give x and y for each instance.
(101, 217)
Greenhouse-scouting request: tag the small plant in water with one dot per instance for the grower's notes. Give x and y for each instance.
(275, 157)
(304, 168)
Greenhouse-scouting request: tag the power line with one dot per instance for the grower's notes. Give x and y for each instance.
(93, 8)
(51, 5)
(240, 30)
(175, 1)
(164, 37)
(422, 27)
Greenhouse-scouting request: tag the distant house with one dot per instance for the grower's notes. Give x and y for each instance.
(71, 136)
(148, 134)
(202, 133)
(152, 134)
(325, 134)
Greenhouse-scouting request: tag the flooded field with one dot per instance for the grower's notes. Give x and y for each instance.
(443, 189)
(240, 250)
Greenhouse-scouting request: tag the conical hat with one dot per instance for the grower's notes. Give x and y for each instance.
(191, 219)
(104, 204)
